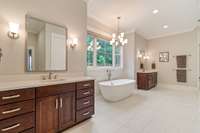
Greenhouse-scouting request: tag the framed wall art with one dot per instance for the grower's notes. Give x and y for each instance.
(164, 57)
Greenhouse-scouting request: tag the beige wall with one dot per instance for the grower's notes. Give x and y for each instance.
(71, 13)
(185, 43)
(140, 44)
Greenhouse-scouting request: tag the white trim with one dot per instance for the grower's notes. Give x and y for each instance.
(169, 34)
(198, 54)
(90, 28)
(113, 55)
(92, 68)
(95, 53)
(122, 57)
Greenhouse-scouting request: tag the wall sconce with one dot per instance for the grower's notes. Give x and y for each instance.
(146, 57)
(13, 32)
(73, 42)
(140, 54)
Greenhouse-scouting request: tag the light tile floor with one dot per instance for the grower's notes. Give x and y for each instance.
(154, 111)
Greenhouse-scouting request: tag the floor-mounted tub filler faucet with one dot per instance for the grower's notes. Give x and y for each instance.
(109, 74)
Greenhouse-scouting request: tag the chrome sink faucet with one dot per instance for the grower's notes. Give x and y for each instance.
(50, 75)
(109, 74)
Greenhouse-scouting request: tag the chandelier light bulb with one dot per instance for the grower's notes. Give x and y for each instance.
(126, 41)
(117, 43)
(122, 34)
(114, 35)
(121, 40)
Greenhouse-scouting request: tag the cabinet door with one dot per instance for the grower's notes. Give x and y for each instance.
(150, 81)
(142, 81)
(47, 114)
(67, 110)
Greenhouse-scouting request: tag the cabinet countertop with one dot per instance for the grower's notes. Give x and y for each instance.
(5, 86)
(147, 71)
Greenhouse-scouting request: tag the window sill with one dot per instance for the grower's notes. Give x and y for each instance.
(103, 68)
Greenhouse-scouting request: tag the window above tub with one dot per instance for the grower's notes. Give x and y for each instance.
(101, 54)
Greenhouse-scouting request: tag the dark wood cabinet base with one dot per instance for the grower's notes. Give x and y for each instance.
(48, 109)
(146, 81)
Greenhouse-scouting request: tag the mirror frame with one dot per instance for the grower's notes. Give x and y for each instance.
(26, 36)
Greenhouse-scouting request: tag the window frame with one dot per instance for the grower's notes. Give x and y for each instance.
(97, 36)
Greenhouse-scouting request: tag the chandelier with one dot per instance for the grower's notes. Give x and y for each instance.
(118, 39)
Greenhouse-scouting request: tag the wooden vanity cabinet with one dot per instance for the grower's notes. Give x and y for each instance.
(59, 107)
(47, 109)
(84, 100)
(67, 110)
(55, 108)
(17, 111)
(47, 115)
(146, 81)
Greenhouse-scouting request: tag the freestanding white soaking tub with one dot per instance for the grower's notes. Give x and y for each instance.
(115, 90)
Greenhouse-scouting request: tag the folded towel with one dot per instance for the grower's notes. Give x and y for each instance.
(181, 61)
(181, 75)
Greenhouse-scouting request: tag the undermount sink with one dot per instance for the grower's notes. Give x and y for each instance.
(52, 80)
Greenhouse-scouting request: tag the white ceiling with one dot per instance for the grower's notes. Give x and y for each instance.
(180, 15)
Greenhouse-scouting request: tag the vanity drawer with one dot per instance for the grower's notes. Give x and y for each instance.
(84, 114)
(85, 84)
(54, 90)
(84, 102)
(13, 96)
(17, 124)
(10, 110)
(85, 93)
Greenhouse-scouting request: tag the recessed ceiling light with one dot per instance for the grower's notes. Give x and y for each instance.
(155, 11)
(165, 26)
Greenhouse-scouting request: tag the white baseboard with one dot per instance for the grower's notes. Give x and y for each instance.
(174, 86)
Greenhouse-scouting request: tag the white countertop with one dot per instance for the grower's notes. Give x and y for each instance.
(147, 71)
(5, 86)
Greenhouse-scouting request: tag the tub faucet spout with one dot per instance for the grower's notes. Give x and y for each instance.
(109, 74)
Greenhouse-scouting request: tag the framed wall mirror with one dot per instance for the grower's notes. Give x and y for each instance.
(46, 46)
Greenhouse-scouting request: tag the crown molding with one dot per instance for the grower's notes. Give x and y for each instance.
(170, 34)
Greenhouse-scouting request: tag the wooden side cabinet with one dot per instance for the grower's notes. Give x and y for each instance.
(146, 80)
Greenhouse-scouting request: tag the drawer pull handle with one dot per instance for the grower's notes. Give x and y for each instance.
(86, 85)
(86, 113)
(61, 102)
(10, 97)
(56, 103)
(10, 128)
(11, 111)
(86, 93)
(85, 103)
